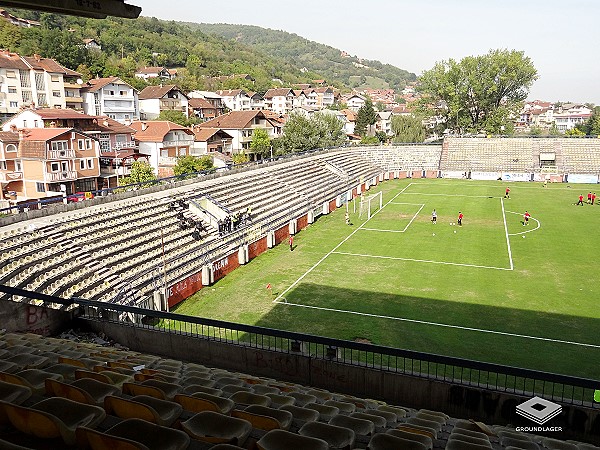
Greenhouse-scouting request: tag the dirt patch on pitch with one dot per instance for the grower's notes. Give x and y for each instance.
(362, 340)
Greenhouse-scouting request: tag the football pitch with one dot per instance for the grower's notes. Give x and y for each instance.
(492, 289)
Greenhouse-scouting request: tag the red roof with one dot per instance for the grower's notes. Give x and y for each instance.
(204, 134)
(44, 134)
(96, 84)
(49, 65)
(60, 113)
(156, 130)
(200, 103)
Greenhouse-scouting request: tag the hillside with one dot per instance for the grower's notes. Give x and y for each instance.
(130, 44)
(198, 51)
(328, 61)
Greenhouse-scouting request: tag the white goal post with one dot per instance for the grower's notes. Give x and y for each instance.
(370, 205)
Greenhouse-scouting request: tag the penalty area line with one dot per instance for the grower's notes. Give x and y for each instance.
(397, 258)
(336, 247)
(443, 325)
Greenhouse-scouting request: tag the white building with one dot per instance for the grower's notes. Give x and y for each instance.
(164, 141)
(154, 99)
(279, 100)
(236, 99)
(111, 97)
(35, 81)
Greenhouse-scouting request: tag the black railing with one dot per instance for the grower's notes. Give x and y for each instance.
(562, 388)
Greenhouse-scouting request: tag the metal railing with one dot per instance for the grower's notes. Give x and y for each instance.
(494, 377)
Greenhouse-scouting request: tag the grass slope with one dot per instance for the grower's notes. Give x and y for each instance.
(400, 293)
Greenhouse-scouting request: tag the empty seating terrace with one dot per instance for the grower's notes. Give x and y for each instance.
(60, 393)
(104, 251)
(488, 155)
(406, 157)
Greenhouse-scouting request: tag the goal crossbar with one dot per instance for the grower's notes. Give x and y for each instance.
(370, 204)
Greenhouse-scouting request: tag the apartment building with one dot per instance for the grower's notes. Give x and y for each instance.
(27, 81)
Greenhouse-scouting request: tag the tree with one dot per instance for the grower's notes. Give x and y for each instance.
(408, 129)
(574, 132)
(192, 164)
(553, 131)
(321, 130)
(177, 117)
(240, 158)
(141, 172)
(365, 118)
(591, 127)
(260, 143)
(535, 131)
(478, 93)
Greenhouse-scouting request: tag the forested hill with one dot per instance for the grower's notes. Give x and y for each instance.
(197, 53)
(323, 59)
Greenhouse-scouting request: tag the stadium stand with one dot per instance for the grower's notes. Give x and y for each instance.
(116, 251)
(108, 414)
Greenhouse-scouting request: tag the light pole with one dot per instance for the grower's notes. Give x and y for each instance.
(457, 127)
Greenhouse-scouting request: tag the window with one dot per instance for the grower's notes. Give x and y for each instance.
(55, 93)
(40, 84)
(11, 148)
(40, 187)
(55, 78)
(60, 145)
(41, 100)
(88, 144)
(164, 153)
(54, 167)
(18, 166)
(11, 74)
(12, 90)
(82, 164)
(123, 93)
(2, 165)
(182, 151)
(80, 144)
(26, 96)
(14, 104)
(24, 77)
(90, 163)
(64, 165)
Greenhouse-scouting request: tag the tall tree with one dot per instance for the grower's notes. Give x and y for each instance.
(260, 141)
(365, 118)
(192, 164)
(320, 130)
(141, 172)
(408, 129)
(478, 93)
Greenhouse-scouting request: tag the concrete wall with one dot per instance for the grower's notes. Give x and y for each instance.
(24, 318)
(396, 389)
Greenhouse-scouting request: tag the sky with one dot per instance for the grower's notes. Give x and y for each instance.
(559, 36)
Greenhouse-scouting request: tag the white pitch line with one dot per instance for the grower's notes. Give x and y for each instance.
(445, 325)
(527, 231)
(451, 195)
(411, 220)
(428, 261)
(337, 246)
(383, 231)
(400, 203)
(507, 238)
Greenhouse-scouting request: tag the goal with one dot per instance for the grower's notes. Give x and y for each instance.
(370, 205)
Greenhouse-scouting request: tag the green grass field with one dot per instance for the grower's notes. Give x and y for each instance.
(492, 290)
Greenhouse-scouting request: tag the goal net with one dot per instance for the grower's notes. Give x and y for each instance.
(370, 205)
